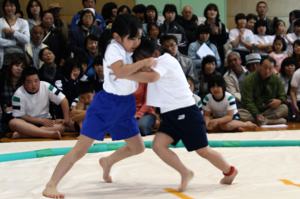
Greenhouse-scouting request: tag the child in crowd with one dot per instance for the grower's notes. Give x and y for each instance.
(279, 52)
(113, 109)
(181, 118)
(81, 104)
(197, 99)
(220, 110)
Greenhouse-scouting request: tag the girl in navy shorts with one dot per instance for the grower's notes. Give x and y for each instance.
(112, 110)
(181, 119)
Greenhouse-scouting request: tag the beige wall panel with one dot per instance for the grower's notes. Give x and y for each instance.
(70, 7)
(279, 8)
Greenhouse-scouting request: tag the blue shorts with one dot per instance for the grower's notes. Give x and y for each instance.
(186, 124)
(113, 114)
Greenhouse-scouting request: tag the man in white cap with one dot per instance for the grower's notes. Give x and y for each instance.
(252, 61)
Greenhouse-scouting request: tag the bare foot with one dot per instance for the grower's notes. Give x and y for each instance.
(251, 125)
(106, 170)
(51, 192)
(16, 135)
(185, 179)
(228, 179)
(56, 135)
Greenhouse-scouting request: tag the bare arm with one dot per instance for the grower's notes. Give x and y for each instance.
(122, 70)
(293, 94)
(144, 77)
(65, 109)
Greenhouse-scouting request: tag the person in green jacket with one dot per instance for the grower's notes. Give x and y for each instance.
(263, 96)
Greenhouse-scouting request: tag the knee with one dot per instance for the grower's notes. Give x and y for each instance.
(137, 149)
(203, 152)
(13, 123)
(155, 147)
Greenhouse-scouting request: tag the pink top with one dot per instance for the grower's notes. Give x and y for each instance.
(278, 58)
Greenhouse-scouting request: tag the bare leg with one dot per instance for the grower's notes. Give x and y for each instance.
(236, 125)
(134, 146)
(30, 130)
(161, 148)
(65, 164)
(218, 161)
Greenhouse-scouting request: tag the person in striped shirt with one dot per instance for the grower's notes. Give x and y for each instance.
(220, 110)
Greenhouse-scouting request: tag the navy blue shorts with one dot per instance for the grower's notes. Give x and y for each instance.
(186, 124)
(113, 114)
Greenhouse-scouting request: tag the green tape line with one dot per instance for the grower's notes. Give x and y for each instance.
(102, 147)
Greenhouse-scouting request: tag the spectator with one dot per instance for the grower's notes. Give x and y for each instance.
(203, 39)
(34, 11)
(263, 96)
(139, 11)
(295, 35)
(14, 31)
(252, 61)
(98, 79)
(262, 9)
(208, 70)
(85, 27)
(55, 9)
(287, 71)
(218, 33)
(123, 9)
(99, 21)
(235, 75)
(240, 37)
(31, 108)
(109, 13)
(54, 38)
(262, 41)
(251, 20)
(9, 82)
(145, 115)
(33, 48)
(279, 52)
(172, 27)
(220, 110)
(189, 21)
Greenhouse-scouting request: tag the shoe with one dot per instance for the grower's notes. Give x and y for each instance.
(276, 121)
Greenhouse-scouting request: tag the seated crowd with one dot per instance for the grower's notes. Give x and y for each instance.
(241, 78)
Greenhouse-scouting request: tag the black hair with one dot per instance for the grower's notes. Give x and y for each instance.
(251, 16)
(122, 7)
(207, 59)
(170, 8)
(82, 2)
(90, 37)
(107, 10)
(152, 24)
(145, 49)
(28, 71)
(139, 8)
(217, 80)
(276, 22)
(42, 51)
(15, 2)
(297, 23)
(239, 16)
(165, 38)
(258, 24)
(261, 2)
(47, 12)
(296, 42)
(270, 59)
(98, 60)
(82, 13)
(151, 7)
(69, 65)
(286, 62)
(212, 6)
(126, 25)
(280, 38)
(29, 4)
(85, 87)
(203, 29)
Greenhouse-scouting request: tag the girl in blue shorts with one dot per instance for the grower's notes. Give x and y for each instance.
(112, 110)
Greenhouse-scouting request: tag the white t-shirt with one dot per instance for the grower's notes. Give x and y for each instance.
(115, 52)
(295, 82)
(172, 90)
(220, 108)
(248, 36)
(36, 105)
